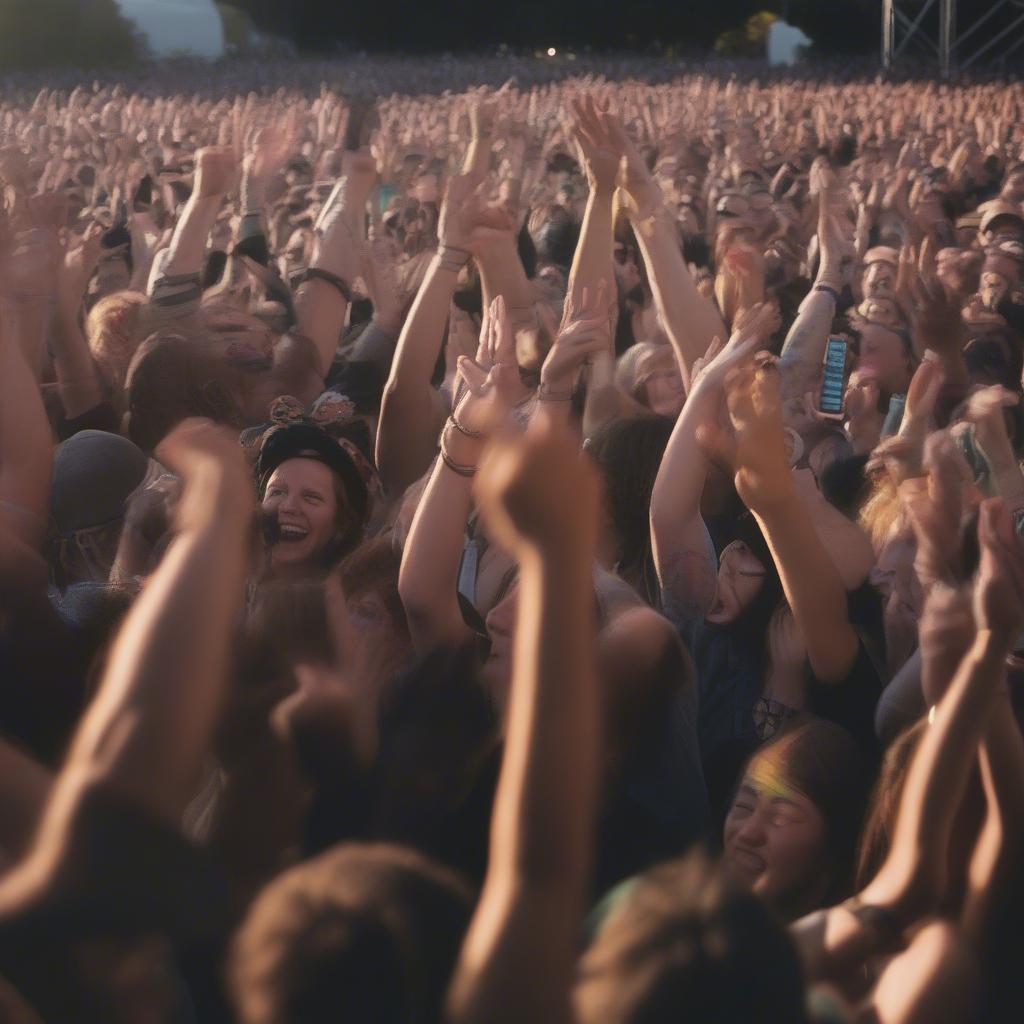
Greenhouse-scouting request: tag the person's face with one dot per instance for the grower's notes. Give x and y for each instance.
(775, 841)
(993, 289)
(551, 283)
(741, 575)
(300, 499)
(664, 387)
(880, 281)
(882, 352)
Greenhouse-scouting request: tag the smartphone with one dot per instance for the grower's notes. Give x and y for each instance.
(894, 417)
(361, 123)
(833, 379)
(143, 198)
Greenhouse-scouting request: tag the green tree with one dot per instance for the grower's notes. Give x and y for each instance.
(66, 33)
(749, 41)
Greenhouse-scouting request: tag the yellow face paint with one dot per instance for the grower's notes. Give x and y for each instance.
(767, 776)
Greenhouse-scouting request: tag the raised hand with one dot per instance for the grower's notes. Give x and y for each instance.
(584, 332)
(985, 410)
(636, 178)
(537, 491)
(341, 696)
(756, 455)
(600, 157)
(937, 321)
(934, 506)
(208, 458)
(466, 222)
(753, 327)
(999, 590)
(216, 169)
(490, 386)
(77, 265)
(269, 148)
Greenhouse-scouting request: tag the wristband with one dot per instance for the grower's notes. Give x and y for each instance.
(450, 254)
(829, 290)
(320, 274)
(476, 435)
(456, 467)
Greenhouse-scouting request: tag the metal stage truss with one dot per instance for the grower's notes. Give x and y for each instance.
(911, 28)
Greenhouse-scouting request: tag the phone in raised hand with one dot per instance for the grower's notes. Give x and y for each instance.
(831, 400)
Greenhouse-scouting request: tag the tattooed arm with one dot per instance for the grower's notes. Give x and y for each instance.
(683, 553)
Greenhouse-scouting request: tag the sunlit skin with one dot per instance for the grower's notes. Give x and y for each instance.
(880, 280)
(774, 839)
(300, 496)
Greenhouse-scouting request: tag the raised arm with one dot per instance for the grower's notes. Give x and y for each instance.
(216, 169)
(683, 556)
(912, 879)
(428, 580)
(592, 261)
(412, 411)
(813, 586)
(79, 383)
(690, 319)
(26, 444)
(540, 500)
(149, 727)
(804, 348)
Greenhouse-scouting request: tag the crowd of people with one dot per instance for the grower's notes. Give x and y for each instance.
(543, 553)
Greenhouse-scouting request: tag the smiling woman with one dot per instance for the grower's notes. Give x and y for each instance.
(314, 500)
(791, 830)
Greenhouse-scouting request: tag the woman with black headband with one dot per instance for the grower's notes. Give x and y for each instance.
(314, 499)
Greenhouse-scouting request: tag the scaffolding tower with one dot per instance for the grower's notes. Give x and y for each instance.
(907, 29)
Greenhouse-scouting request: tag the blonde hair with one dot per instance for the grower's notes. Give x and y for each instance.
(112, 332)
(881, 510)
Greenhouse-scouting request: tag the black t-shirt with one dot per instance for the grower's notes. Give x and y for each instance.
(731, 678)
